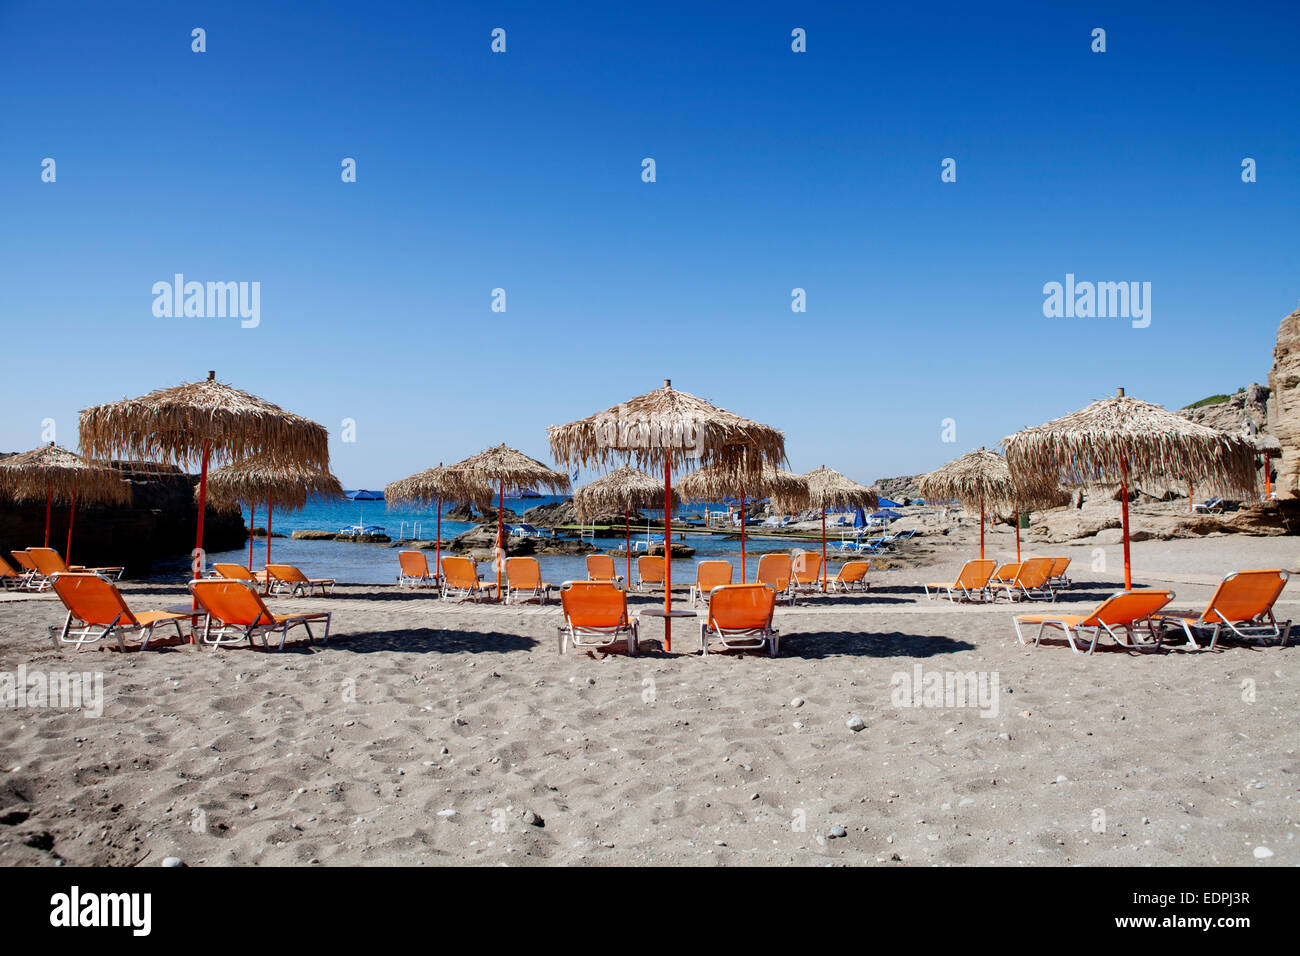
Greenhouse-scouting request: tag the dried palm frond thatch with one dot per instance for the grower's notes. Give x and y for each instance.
(623, 489)
(60, 476)
(174, 425)
(480, 478)
(981, 479)
(255, 480)
(667, 426)
(788, 492)
(829, 490)
(1125, 440)
(428, 487)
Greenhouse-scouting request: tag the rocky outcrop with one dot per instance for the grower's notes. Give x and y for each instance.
(1245, 413)
(158, 525)
(1284, 409)
(485, 515)
(898, 489)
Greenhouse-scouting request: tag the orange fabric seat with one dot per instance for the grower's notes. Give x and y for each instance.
(710, 575)
(460, 575)
(777, 572)
(240, 614)
(852, 576)
(1032, 579)
(11, 576)
(600, 567)
(97, 609)
(285, 577)
(806, 571)
(413, 569)
(649, 571)
(49, 563)
(1242, 605)
(740, 616)
(524, 576)
(1126, 611)
(972, 582)
(1059, 578)
(595, 615)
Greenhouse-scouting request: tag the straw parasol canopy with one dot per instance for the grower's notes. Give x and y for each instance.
(1122, 440)
(498, 470)
(828, 489)
(175, 424)
(714, 482)
(667, 427)
(259, 479)
(623, 489)
(58, 475)
(982, 482)
(429, 487)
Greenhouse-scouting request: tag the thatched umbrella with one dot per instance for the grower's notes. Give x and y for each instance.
(278, 483)
(715, 482)
(200, 421)
(621, 490)
(58, 475)
(827, 488)
(981, 481)
(499, 468)
(432, 486)
(1119, 440)
(661, 429)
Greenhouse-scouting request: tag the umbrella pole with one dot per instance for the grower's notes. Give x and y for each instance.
(1190, 499)
(252, 520)
(823, 549)
(437, 545)
(501, 504)
(668, 554)
(1123, 500)
(269, 509)
(1017, 536)
(198, 532)
(72, 514)
(981, 527)
(47, 519)
(742, 534)
(627, 543)
(1268, 474)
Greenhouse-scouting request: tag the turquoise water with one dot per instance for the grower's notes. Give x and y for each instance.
(377, 563)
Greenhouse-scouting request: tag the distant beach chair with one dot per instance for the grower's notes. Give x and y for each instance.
(971, 585)
(1059, 578)
(12, 577)
(1242, 604)
(740, 616)
(1213, 506)
(35, 580)
(710, 575)
(413, 569)
(97, 609)
(524, 577)
(601, 567)
(806, 571)
(240, 614)
(775, 570)
(1032, 581)
(49, 563)
(1005, 574)
(237, 572)
(649, 571)
(1125, 611)
(595, 615)
(285, 577)
(460, 576)
(852, 576)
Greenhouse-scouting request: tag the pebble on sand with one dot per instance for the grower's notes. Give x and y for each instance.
(1262, 853)
(855, 724)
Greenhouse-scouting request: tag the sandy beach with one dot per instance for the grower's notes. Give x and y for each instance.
(432, 732)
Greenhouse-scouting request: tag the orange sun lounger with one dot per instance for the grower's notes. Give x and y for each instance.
(710, 575)
(12, 577)
(1059, 578)
(46, 562)
(972, 582)
(460, 576)
(237, 572)
(649, 571)
(239, 613)
(524, 577)
(1242, 605)
(777, 572)
(1126, 611)
(1032, 580)
(600, 567)
(413, 569)
(852, 577)
(595, 615)
(97, 609)
(740, 616)
(285, 577)
(806, 571)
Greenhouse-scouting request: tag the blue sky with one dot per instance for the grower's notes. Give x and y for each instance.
(522, 171)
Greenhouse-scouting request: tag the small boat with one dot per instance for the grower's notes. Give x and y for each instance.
(362, 529)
